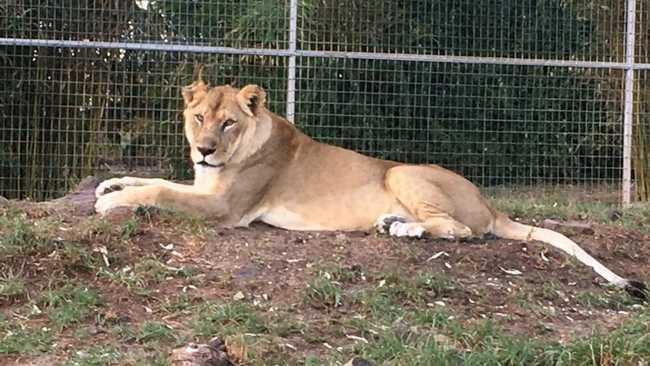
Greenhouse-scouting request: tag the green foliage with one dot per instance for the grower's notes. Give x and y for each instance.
(19, 341)
(95, 356)
(617, 301)
(515, 28)
(158, 358)
(324, 292)
(129, 228)
(442, 341)
(79, 257)
(12, 283)
(145, 273)
(567, 204)
(75, 112)
(70, 304)
(227, 319)
(521, 122)
(155, 332)
(19, 237)
(437, 283)
(179, 303)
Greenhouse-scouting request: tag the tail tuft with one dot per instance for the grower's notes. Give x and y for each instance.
(637, 289)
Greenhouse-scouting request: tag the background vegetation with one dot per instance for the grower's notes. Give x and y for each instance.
(70, 112)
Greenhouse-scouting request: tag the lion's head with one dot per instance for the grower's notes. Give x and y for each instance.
(223, 124)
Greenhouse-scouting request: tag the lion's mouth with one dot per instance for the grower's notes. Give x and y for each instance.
(208, 165)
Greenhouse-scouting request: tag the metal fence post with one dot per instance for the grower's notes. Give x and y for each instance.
(291, 74)
(629, 100)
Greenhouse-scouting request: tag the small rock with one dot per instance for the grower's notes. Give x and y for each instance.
(239, 296)
(3, 202)
(212, 354)
(615, 215)
(358, 361)
(93, 330)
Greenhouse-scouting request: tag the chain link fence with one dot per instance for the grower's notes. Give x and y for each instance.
(505, 92)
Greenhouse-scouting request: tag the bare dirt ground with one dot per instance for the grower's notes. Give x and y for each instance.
(152, 267)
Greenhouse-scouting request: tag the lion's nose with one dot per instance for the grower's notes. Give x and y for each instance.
(205, 151)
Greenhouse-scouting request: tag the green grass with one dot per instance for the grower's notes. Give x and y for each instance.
(181, 221)
(98, 229)
(181, 302)
(566, 205)
(439, 284)
(245, 327)
(12, 283)
(412, 289)
(284, 325)
(617, 300)
(124, 332)
(153, 358)
(324, 292)
(396, 314)
(145, 274)
(400, 331)
(339, 273)
(151, 271)
(129, 228)
(24, 341)
(447, 342)
(155, 332)
(95, 356)
(78, 257)
(18, 237)
(70, 304)
(227, 319)
(628, 344)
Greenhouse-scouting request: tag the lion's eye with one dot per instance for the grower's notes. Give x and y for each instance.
(227, 123)
(198, 118)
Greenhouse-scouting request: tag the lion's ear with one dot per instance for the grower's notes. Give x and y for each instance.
(251, 98)
(191, 91)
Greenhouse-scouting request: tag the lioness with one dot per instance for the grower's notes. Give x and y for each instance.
(252, 165)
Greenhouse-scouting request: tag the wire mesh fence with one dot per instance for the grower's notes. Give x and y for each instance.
(576, 30)
(506, 92)
(496, 124)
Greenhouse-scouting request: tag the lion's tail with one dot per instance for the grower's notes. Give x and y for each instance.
(506, 228)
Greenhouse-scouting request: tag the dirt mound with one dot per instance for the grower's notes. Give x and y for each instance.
(135, 285)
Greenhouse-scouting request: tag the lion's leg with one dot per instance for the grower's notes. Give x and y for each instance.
(116, 184)
(427, 203)
(192, 202)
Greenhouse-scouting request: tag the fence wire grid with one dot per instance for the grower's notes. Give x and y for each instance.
(505, 92)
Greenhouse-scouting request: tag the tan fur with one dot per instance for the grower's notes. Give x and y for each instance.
(270, 171)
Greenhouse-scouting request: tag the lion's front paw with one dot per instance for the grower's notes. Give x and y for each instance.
(112, 185)
(110, 201)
